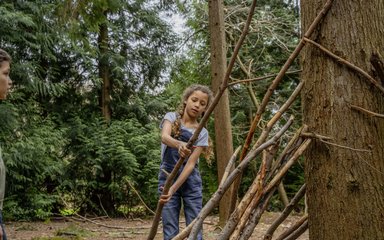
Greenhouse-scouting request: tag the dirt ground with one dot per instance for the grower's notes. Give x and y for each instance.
(105, 228)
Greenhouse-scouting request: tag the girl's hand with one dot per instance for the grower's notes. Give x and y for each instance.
(183, 150)
(164, 198)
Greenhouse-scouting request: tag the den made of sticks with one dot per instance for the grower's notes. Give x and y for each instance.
(296, 121)
(319, 138)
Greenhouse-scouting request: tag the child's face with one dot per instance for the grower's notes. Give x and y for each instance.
(5, 81)
(196, 104)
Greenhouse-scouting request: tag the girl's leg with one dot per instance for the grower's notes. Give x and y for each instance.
(170, 216)
(171, 211)
(193, 198)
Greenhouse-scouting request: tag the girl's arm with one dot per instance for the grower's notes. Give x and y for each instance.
(168, 140)
(188, 168)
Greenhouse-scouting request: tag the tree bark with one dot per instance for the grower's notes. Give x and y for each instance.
(104, 71)
(345, 187)
(223, 131)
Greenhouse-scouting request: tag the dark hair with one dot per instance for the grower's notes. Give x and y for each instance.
(177, 124)
(4, 57)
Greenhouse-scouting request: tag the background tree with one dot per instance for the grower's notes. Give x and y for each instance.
(223, 131)
(344, 180)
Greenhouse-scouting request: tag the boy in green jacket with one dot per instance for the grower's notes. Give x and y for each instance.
(5, 85)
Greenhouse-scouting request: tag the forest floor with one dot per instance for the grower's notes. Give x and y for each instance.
(106, 228)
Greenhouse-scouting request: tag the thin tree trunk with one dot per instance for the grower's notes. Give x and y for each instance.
(104, 71)
(223, 129)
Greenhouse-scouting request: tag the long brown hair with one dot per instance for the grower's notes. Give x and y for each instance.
(176, 126)
(4, 57)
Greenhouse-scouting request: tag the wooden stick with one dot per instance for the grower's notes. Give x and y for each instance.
(370, 113)
(297, 225)
(254, 201)
(272, 87)
(256, 215)
(299, 195)
(315, 135)
(141, 199)
(267, 130)
(251, 202)
(229, 166)
(281, 173)
(297, 233)
(290, 148)
(219, 193)
(261, 78)
(283, 194)
(278, 114)
(347, 64)
(252, 95)
(346, 147)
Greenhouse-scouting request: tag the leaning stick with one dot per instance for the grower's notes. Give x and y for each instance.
(219, 193)
(238, 212)
(204, 120)
(291, 146)
(278, 114)
(261, 78)
(256, 214)
(229, 166)
(252, 201)
(297, 233)
(281, 173)
(299, 195)
(348, 64)
(370, 113)
(255, 217)
(273, 86)
(299, 226)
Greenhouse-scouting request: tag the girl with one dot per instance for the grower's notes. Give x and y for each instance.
(177, 129)
(5, 85)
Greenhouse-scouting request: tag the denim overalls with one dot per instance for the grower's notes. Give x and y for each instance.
(190, 192)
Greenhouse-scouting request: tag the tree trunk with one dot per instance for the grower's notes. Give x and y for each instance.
(345, 186)
(104, 71)
(223, 131)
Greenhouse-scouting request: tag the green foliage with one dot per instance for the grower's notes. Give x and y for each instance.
(61, 157)
(56, 147)
(32, 154)
(102, 157)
